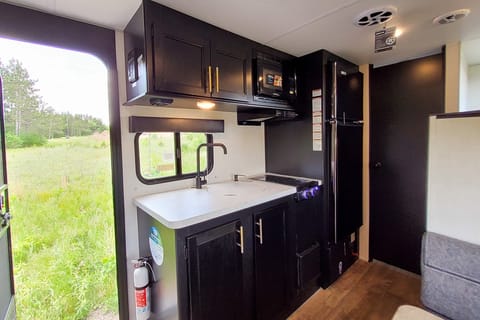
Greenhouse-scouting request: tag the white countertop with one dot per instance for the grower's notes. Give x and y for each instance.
(186, 207)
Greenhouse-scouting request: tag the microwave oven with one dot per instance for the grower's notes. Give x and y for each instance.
(271, 83)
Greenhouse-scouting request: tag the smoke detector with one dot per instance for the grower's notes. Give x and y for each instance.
(451, 16)
(375, 16)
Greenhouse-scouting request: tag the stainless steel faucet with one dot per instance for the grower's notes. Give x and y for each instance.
(198, 180)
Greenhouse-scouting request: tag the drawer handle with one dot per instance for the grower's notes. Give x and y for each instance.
(259, 223)
(241, 244)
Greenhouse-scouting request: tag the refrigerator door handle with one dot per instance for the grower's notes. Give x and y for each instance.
(334, 91)
(333, 149)
(333, 171)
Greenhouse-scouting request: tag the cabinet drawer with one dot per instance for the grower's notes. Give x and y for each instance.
(308, 265)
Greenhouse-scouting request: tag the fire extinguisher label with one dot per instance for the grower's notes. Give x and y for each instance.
(141, 297)
(156, 246)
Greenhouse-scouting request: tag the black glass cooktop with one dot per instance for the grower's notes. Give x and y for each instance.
(289, 181)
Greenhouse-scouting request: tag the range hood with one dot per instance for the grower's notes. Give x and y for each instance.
(255, 116)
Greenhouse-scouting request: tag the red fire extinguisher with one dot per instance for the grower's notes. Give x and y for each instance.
(141, 283)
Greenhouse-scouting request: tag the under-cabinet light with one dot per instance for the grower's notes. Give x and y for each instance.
(205, 105)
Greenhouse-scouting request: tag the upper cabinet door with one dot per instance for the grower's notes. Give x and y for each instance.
(230, 62)
(181, 55)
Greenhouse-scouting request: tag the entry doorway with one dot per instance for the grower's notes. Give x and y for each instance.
(60, 182)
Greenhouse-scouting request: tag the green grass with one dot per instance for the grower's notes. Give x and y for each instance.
(63, 234)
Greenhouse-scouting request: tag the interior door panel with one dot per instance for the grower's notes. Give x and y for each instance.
(403, 97)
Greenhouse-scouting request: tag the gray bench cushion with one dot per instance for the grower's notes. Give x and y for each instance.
(451, 276)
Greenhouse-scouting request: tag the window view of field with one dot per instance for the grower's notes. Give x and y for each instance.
(157, 154)
(60, 189)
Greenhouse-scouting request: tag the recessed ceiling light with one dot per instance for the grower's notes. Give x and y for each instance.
(205, 105)
(451, 16)
(375, 16)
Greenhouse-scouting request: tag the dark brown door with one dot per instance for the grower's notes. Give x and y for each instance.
(7, 304)
(229, 59)
(216, 273)
(181, 64)
(403, 96)
(270, 263)
(181, 54)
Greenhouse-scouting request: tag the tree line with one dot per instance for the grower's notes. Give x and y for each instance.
(29, 120)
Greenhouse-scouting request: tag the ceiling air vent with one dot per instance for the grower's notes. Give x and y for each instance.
(375, 16)
(451, 16)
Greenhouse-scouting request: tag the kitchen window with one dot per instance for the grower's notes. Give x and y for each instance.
(168, 156)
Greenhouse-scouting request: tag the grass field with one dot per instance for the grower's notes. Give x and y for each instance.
(63, 235)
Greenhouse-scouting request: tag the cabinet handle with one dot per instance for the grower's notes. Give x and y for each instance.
(241, 245)
(259, 223)
(210, 79)
(217, 78)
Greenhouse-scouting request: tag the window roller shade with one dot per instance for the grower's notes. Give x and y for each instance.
(155, 124)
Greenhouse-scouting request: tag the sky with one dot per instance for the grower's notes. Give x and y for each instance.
(68, 81)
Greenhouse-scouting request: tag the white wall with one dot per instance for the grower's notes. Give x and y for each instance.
(246, 155)
(473, 96)
(453, 198)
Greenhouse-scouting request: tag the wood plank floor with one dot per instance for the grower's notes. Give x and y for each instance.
(366, 291)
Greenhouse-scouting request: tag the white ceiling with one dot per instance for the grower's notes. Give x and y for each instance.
(301, 26)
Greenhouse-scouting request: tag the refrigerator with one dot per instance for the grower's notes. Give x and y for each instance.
(325, 142)
(343, 125)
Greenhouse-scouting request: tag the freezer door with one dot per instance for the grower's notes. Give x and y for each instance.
(349, 179)
(349, 95)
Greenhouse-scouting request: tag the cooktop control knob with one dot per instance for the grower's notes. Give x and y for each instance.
(314, 191)
(307, 193)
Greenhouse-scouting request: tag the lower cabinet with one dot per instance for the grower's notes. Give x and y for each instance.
(216, 273)
(239, 266)
(270, 262)
(221, 261)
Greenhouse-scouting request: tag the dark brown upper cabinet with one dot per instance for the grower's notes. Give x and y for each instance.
(230, 57)
(170, 55)
(181, 53)
(194, 58)
(183, 56)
